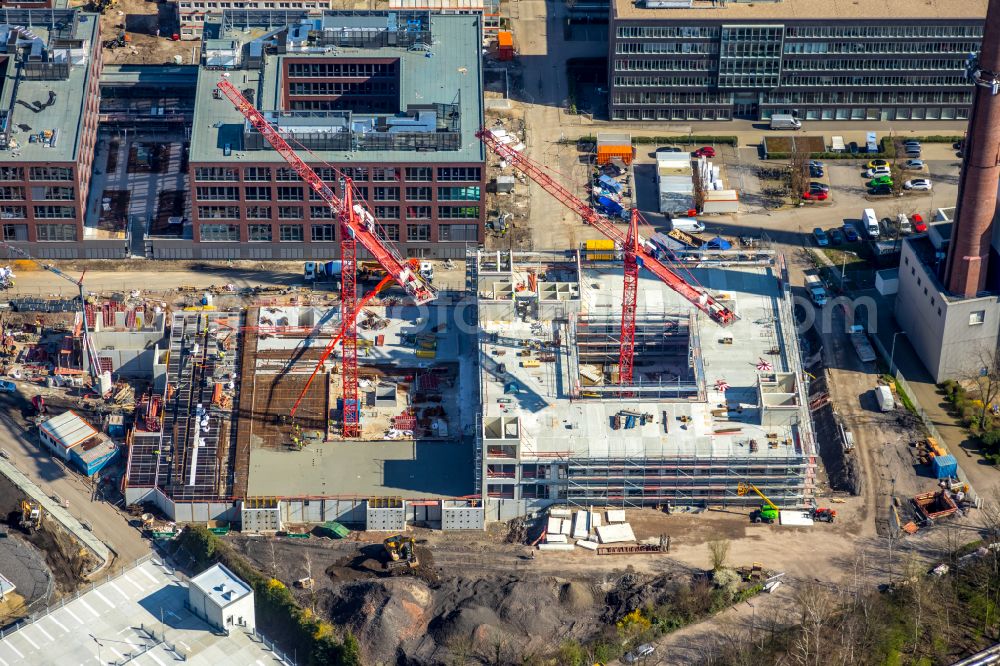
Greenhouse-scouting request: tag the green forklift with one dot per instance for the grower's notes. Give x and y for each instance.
(768, 511)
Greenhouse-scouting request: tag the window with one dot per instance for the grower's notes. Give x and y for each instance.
(12, 173)
(217, 193)
(215, 173)
(324, 233)
(257, 173)
(12, 193)
(287, 174)
(458, 193)
(55, 212)
(385, 174)
(977, 317)
(219, 212)
(386, 193)
(419, 174)
(387, 212)
(220, 232)
(15, 232)
(286, 193)
(290, 212)
(56, 232)
(258, 232)
(388, 232)
(418, 212)
(320, 212)
(52, 193)
(459, 173)
(458, 232)
(355, 173)
(51, 173)
(458, 212)
(13, 212)
(258, 212)
(418, 193)
(290, 233)
(418, 232)
(327, 174)
(256, 193)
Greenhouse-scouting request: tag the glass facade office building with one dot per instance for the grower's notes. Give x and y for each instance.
(859, 69)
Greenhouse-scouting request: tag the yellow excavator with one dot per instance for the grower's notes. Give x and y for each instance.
(31, 515)
(768, 511)
(400, 551)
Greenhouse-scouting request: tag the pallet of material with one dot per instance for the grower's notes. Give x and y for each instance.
(595, 519)
(589, 545)
(565, 526)
(556, 538)
(554, 526)
(580, 527)
(556, 546)
(559, 513)
(620, 533)
(616, 515)
(631, 549)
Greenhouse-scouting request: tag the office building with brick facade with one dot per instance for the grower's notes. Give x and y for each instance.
(51, 62)
(685, 60)
(389, 99)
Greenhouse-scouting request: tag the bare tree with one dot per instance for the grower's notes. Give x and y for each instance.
(798, 176)
(986, 379)
(718, 550)
(698, 183)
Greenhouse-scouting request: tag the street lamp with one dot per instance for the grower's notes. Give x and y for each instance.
(892, 354)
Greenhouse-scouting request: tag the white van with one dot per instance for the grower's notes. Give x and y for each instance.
(780, 121)
(884, 397)
(688, 224)
(869, 222)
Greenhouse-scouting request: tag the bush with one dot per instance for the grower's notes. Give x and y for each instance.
(938, 138)
(667, 140)
(571, 653)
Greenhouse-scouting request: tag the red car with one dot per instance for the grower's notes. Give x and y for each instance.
(919, 225)
(815, 196)
(706, 151)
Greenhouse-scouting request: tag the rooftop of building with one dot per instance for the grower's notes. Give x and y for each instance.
(439, 63)
(68, 429)
(220, 585)
(798, 10)
(50, 88)
(144, 612)
(150, 75)
(708, 391)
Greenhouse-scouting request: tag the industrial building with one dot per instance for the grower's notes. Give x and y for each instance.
(51, 63)
(148, 612)
(677, 60)
(74, 440)
(389, 99)
(709, 407)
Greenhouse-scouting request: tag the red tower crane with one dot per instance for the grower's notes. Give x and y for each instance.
(630, 296)
(357, 226)
(634, 252)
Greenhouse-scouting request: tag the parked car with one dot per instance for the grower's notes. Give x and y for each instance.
(816, 163)
(880, 180)
(815, 196)
(704, 151)
(919, 225)
(818, 187)
(821, 238)
(917, 184)
(879, 171)
(914, 165)
(874, 164)
(850, 233)
(836, 236)
(640, 652)
(880, 190)
(669, 149)
(816, 173)
(903, 224)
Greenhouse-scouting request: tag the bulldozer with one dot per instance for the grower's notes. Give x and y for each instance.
(400, 551)
(31, 516)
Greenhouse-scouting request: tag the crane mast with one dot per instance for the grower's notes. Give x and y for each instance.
(719, 313)
(629, 298)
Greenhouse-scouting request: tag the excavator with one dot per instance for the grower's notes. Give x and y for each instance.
(768, 511)
(31, 516)
(401, 551)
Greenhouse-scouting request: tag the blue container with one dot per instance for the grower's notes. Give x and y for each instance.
(945, 467)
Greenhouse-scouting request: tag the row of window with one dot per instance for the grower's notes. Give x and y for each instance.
(851, 64)
(331, 176)
(324, 212)
(874, 97)
(338, 88)
(38, 193)
(330, 70)
(44, 232)
(9, 173)
(772, 32)
(664, 81)
(920, 81)
(749, 50)
(840, 113)
(665, 47)
(324, 233)
(880, 47)
(664, 65)
(291, 193)
(41, 212)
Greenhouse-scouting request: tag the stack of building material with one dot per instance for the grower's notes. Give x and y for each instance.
(581, 525)
(616, 515)
(589, 545)
(618, 533)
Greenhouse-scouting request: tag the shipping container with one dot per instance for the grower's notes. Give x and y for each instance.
(505, 45)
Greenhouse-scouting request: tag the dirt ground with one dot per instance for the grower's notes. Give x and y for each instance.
(141, 19)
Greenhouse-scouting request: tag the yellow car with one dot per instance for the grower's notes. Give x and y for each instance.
(874, 164)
